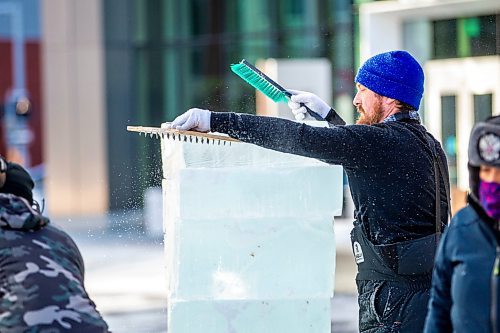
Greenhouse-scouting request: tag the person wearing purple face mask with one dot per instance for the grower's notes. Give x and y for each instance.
(465, 294)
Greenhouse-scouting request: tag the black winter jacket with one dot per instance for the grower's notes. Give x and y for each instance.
(41, 275)
(465, 292)
(389, 167)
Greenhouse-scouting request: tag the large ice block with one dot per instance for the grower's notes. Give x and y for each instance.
(264, 192)
(249, 238)
(254, 259)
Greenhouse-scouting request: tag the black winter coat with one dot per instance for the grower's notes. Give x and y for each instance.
(465, 292)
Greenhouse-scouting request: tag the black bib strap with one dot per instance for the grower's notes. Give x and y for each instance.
(439, 170)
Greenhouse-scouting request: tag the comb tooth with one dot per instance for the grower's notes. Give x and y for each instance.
(150, 134)
(168, 136)
(185, 138)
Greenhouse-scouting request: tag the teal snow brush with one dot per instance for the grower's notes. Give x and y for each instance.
(271, 89)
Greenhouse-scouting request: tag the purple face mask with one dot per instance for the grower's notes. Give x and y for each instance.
(489, 195)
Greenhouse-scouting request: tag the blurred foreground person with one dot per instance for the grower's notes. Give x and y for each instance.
(397, 175)
(465, 286)
(41, 268)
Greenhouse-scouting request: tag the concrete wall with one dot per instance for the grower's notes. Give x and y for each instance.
(74, 127)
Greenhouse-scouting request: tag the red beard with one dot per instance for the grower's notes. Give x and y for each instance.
(374, 117)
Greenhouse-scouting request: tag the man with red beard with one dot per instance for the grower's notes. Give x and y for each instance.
(397, 174)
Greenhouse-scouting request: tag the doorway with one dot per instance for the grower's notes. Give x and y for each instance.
(459, 93)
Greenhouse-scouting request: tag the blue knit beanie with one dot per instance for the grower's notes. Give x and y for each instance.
(394, 74)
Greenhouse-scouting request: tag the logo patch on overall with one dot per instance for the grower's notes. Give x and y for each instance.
(358, 253)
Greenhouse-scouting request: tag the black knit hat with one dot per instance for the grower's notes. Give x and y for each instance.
(18, 182)
(484, 149)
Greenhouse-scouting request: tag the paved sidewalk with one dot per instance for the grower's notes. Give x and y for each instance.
(125, 276)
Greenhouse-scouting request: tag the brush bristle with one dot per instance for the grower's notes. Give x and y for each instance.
(259, 82)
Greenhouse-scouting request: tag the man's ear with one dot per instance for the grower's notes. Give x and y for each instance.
(3, 176)
(389, 101)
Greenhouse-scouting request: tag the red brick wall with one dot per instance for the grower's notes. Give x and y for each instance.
(33, 85)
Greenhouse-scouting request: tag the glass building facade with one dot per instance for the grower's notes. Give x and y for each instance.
(165, 56)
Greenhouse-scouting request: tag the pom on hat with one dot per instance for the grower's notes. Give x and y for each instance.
(18, 182)
(484, 143)
(484, 149)
(394, 74)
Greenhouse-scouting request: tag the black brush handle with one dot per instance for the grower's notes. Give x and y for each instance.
(313, 114)
(334, 118)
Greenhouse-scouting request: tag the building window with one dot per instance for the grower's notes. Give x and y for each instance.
(483, 36)
(449, 134)
(483, 107)
(466, 37)
(445, 39)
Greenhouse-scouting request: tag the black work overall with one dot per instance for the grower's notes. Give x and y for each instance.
(393, 282)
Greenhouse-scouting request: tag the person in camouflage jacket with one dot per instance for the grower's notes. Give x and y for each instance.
(41, 268)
